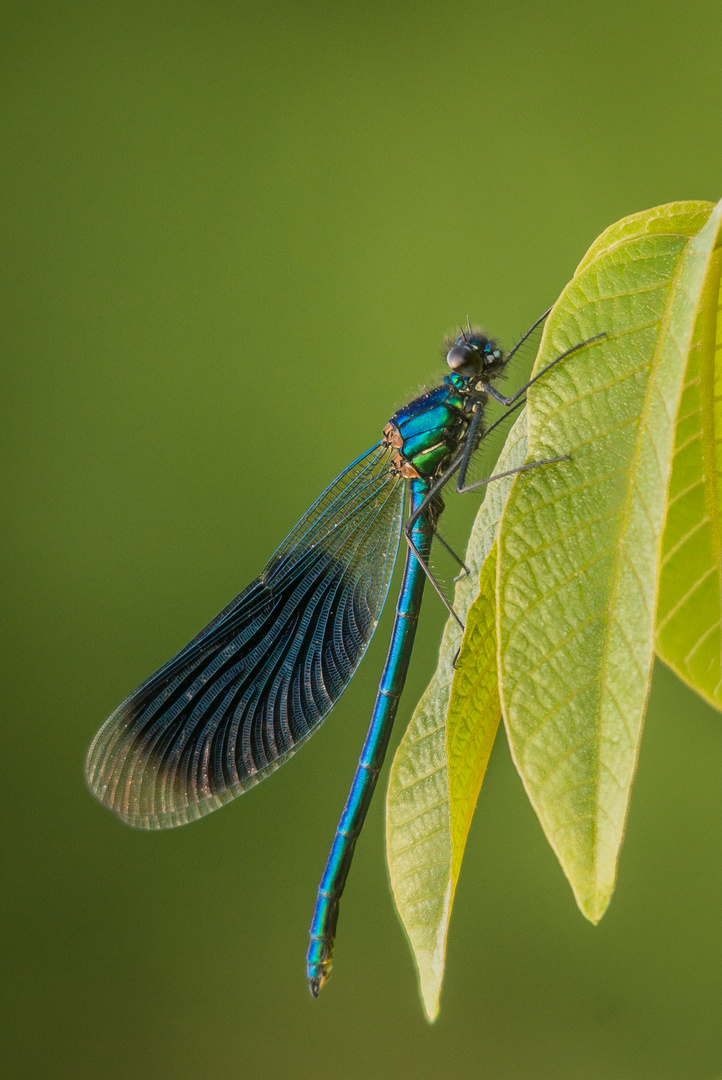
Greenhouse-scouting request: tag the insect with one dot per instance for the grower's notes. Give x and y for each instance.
(257, 682)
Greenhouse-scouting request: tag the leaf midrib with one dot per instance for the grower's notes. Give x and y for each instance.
(621, 544)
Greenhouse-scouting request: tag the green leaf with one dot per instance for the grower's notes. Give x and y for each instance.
(474, 712)
(690, 589)
(426, 825)
(580, 541)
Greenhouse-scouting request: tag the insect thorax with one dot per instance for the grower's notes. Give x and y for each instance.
(426, 432)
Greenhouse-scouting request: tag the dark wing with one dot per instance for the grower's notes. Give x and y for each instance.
(238, 700)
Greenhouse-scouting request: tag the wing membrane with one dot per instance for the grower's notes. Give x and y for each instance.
(247, 691)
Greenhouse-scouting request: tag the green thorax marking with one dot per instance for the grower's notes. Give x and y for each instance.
(427, 430)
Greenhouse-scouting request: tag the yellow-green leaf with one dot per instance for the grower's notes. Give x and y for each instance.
(580, 541)
(474, 712)
(423, 858)
(689, 636)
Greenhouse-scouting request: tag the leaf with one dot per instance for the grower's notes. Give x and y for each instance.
(690, 589)
(474, 712)
(580, 542)
(422, 857)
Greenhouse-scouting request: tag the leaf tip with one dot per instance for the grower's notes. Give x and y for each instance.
(594, 906)
(431, 1004)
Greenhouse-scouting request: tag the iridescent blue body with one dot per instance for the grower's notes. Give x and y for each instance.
(425, 433)
(255, 684)
(325, 915)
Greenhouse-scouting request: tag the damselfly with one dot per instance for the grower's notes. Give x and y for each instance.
(251, 688)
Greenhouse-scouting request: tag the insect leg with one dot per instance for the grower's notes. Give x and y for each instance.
(455, 557)
(511, 472)
(528, 334)
(414, 517)
(510, 400)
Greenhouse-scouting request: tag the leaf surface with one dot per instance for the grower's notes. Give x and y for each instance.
(474, 712)
(580, 542)
(427, 814)
(690, 591)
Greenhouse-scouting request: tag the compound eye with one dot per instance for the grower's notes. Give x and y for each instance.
(462, 358)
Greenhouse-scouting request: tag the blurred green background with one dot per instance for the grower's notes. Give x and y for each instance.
(235, 234)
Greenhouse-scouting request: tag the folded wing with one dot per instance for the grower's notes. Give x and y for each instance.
(240, 698)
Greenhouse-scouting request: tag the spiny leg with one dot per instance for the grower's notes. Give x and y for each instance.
(512, 403)
(437, 487)
(471, 437)
(455, 557)
(528, 334)
(411, 522)
(464, 455)
(510, 472)
(507, 401)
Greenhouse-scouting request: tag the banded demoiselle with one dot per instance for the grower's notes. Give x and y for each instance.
(256, 683)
